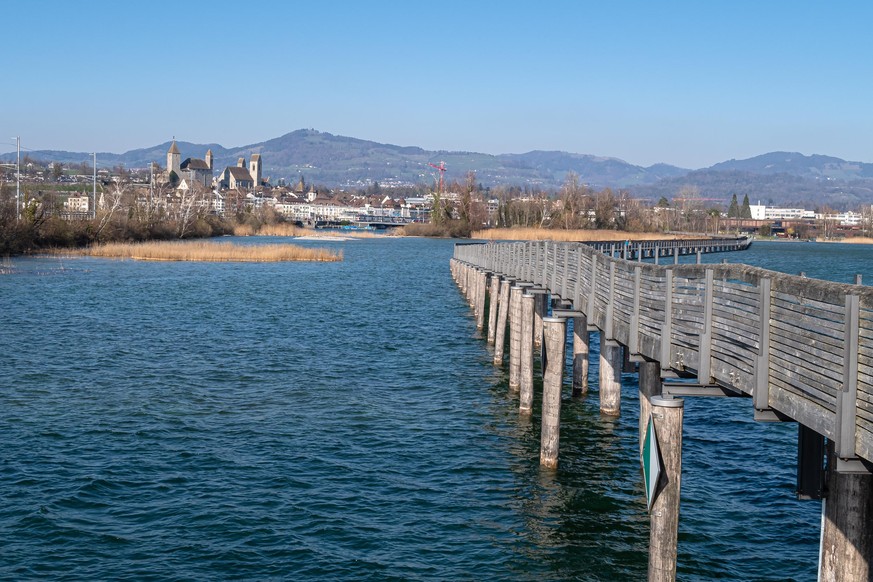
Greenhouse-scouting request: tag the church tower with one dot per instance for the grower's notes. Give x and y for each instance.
(209, 159)
(255, 169)
(174, 160)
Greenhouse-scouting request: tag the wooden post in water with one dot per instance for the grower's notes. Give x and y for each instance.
(555, 334)
(667, 415)
(492, 307)
(481, 286)
(540, 310)
(515, 337)
(526, 387)
(650, 385)
(610, 377)
(580, 355)
(503, 313)
(847, 525)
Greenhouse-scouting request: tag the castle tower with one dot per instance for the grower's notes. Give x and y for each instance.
(209, 159)
(255, 168)
(241, 162)
(174, 159)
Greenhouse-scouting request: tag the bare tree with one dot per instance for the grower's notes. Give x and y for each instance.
(604, 209)
(111, 202)
(192, 204)
(573, 212)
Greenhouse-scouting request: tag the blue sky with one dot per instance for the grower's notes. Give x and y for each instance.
(689, 83)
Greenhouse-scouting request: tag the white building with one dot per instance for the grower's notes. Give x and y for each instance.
(843, 218)
(76, 204)
(761, 212)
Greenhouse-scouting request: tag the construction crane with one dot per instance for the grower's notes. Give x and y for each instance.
(442, 170)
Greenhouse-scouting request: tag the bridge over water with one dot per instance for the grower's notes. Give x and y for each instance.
(800, 350)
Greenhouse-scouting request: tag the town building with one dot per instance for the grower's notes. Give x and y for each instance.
(241, 178)
(191, 171)
(761, 212)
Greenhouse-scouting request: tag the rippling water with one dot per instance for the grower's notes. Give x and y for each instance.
(343, 421)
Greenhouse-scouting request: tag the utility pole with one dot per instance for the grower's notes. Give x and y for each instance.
(94, 191)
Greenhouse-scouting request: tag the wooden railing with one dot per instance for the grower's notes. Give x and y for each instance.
(801, 348)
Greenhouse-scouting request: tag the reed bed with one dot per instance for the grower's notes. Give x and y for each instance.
(294, 231)
(209, 251)
(570, 235)
(853, 240)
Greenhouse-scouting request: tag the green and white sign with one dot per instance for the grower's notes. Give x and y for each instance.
(650, 459)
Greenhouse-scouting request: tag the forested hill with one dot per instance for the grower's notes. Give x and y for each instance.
(777, 178)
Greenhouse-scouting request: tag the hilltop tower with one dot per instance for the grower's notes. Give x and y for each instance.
(255, 169)
(209, 159)
(174, 159)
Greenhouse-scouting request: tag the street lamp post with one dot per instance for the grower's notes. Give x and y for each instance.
(18, 180)
(94, 191)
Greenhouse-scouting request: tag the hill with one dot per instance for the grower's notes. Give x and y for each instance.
(345, 161)
(776, 178)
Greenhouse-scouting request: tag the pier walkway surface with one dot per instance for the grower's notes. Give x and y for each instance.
(800, 349)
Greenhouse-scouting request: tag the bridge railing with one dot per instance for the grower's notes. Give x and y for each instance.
(801, 348)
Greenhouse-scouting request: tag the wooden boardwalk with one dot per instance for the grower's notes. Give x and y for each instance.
(800, 349)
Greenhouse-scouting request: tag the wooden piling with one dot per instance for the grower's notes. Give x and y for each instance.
(481, 286)
(555, 333)
(502, 315)
(649, 386)
(542, 300)
(526, 388)
(847, 526)
(580, 355)
(610, 377)
(494, 292)
(515, 337)
(667, 415)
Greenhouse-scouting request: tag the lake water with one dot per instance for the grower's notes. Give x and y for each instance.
(295, 421)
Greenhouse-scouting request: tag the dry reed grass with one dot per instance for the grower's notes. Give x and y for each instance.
(569, 235)
(855, 240)
(210, 251)
(294, 231)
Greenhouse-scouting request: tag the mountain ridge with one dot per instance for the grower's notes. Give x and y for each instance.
(341, 161)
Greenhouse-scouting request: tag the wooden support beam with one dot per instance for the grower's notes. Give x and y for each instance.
(610, 377)
(581, 343)
(667, 417)
(502, 316)
(481, 289)
(526, 385)
(515, 337)
(847, 526)
(649, 386)
(555, 333)
(494, 294)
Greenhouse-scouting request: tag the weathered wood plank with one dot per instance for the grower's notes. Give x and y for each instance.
(824, 342)
(805, 411)
(802, 384)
